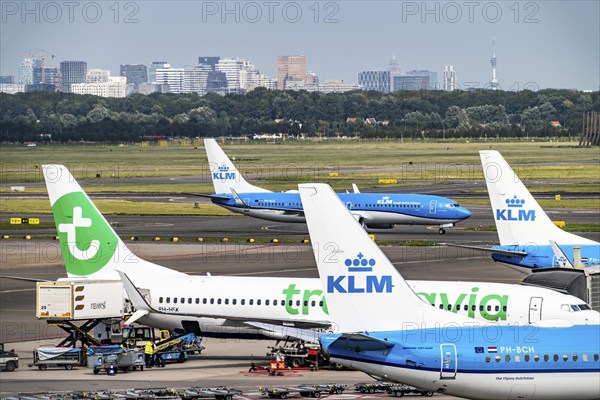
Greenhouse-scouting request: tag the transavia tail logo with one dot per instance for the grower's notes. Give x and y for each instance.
(223, 173)
(514, 211)
(358, 279)
(86, 240)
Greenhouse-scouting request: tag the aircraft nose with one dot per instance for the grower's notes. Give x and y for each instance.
(464, 213)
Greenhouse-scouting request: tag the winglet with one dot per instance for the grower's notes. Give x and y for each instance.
(355, 188)
(136, 298)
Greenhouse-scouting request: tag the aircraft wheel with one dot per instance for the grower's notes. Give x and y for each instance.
(441, 231)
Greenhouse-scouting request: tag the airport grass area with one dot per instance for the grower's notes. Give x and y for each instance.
(297, 161)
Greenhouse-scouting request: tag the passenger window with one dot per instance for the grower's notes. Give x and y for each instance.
(160, 299)
(189, 300)
(274, 302)
(218, 301)
(497, 358)
(168, 299)
(266, 302)
(575, 358)
(313, 303)
(555, 358)
(584, 357)
(466, 307)
(291, 303)
(596, 357)
(536, 357)
(488, 358)
(226, 301)
(175, 300)
(507, 358)
(234, 302)
(504, 308)
(182, 300)
(441, 306)
(297, 303)
(243, 302)
(449, 307)
(527, 357)
(197, 300)
(321, 303)
(517, 358)
(565, 357)
(474, 307)
(212, 301)
(497, 308)
(251, 301)
(204, 300)
(546, 357)
(258, 302)
(481, 307)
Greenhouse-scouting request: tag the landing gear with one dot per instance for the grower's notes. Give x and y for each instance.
(441, 231)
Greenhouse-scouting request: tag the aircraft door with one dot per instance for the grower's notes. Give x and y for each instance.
(448, 361)
(246, 202)
(349, 205)
(535, 309)
(432, 206)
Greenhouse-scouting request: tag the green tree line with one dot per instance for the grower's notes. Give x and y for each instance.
(417, 114)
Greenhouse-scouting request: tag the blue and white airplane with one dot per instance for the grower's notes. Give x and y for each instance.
(389, 332)
(528, 238)
(372, 210)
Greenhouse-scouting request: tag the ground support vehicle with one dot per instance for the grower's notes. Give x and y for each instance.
(285, 392)
(399, 390)
(9, 360)
(61, 357)
(331, 388)
(216, 393)
(103, 357)
(372, 387)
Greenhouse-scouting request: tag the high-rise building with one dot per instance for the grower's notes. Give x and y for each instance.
(195, 78)
(494, 83)
(378, 81)
(152, 69)
(7, 79)
(449, 78)
(211, 61)
(290, 68)
(72, 72)
(135, 73)
(217, 83)
(415, 80)
(96, 75)
(172, 77)
(26, 71)
(113, 86)
(251, 78)
(231, 67)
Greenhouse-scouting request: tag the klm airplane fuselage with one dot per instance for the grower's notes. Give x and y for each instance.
(526, 362)
(367, 208)
(543, 256)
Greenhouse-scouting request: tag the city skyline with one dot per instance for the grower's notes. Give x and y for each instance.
(547, 44)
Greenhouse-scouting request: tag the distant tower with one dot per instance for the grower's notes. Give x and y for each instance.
(394, 66)
(449, 78)
(494, 84)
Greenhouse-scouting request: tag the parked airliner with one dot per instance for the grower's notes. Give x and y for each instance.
(389, 332)
(230, 306)
(528, 238)
(373, 210)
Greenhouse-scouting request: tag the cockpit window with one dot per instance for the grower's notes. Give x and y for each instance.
(584, 307)
(574, 307)
(453, 205)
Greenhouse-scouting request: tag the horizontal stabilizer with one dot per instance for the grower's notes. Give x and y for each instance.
(19, 278)
(490, 250)
(208, 196)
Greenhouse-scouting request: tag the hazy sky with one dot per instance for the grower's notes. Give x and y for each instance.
(540, 43)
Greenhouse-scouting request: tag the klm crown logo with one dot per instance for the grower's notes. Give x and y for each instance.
(515, 202)
(361, 283)
(223, 173)
(360, 264)
(515, 211)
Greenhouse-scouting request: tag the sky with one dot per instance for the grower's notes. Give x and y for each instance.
(539, 44)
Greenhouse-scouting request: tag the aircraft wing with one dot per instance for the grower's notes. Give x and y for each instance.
(491, 250)
(208, 196)
(287, 331)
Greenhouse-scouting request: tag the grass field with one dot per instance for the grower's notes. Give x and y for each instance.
(280, 166)
(303, 161)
